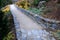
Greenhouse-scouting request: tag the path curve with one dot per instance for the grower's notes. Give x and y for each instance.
(29, 28)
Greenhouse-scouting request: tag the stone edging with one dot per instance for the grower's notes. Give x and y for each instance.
(50, 23)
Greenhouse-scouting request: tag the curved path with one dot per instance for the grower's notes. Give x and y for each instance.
(29, 28)
(25, 22)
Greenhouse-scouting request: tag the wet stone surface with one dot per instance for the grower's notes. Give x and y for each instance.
(36, 35)
(47, 24)
(32, 34)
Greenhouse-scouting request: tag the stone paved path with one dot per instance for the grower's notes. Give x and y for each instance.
(29, 28)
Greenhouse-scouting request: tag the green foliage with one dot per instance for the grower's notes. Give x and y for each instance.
(36, 10)
(36, 2)
(5, 2)
(9, 36)
(57, 34)
(5, 25)
(1, 24)
(46, 0)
